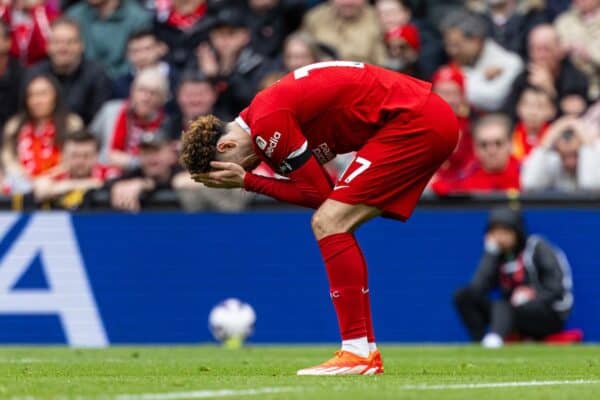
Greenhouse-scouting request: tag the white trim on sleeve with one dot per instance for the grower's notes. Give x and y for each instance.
(300, 150)
(243, 124)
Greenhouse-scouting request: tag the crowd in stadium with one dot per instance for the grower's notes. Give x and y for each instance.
(94, 94)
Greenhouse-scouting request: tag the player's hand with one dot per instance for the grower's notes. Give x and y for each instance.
(225, 175)
(522, 295)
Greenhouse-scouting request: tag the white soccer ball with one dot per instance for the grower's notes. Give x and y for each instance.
(232, 321)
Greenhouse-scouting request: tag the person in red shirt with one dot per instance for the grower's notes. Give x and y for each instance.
(402, 133)
(535, 110)
(78, 172)
(449, 83)
(494, 169)
(30, 23)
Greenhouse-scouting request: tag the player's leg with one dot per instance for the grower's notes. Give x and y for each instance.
(335, 222)
(335, 217)
(333, 225)
(388, 175)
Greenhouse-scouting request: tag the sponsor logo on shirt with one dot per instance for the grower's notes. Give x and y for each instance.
(261, 143)
(323, 153)
(273, 141)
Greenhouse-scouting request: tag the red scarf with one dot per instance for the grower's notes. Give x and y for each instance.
(166, 12)
(36, 148)
(128, 129)
(523, 143)
(30, 35)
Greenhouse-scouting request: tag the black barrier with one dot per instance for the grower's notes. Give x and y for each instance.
(99, 200)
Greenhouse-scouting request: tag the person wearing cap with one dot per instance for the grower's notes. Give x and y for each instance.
(449, 83)
(158, 169)
(533, 277)
(402, 39)
(120, 123)
(229, 59)
(403, 45)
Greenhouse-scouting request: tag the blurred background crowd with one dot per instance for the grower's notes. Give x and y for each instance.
(94, 94)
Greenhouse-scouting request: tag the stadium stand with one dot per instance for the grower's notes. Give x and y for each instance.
(538, 59)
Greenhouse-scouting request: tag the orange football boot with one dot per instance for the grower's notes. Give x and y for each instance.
(346, 363)
(376, 362)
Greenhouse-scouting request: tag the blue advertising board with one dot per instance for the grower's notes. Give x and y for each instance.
(100, 279)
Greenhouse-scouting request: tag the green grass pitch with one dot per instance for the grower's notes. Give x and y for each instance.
(268, 372)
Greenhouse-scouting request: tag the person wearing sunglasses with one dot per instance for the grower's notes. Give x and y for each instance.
(494, 168)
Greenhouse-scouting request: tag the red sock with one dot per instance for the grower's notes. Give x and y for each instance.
(345, 269)
(367, 301)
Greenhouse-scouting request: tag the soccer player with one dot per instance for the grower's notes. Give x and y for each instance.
(401, 132)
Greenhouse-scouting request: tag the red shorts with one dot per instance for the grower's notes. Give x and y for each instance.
(393, 168)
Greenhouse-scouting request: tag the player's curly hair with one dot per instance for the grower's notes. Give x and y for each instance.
(199, 144)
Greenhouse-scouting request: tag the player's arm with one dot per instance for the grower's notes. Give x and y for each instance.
(308, 184)
(282, 145)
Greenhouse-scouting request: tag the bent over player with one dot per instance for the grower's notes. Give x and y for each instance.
(401, 132)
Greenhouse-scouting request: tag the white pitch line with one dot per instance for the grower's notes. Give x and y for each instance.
(205, 394)
(499, 384)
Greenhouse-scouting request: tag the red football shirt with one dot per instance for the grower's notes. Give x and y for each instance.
(480, 181)
(328, 108)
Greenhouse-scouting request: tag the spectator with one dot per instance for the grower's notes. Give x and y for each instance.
(393, 14)
(10, 77)
(78, 172)
(158, 169)
(29, 22)
(534, 279)
(349, 26)
(196, 96)
(106, 25)
(579, 31)
(121, 123)
(510, 22)
(591, 124)
(144, 50)
(402, 39)
(230, 60)
(300, 49)
(33, 138)
(535, 111)
(181, 25)
(564, 161)
(550, 70)
(403, 45)
(83, 83)
(489, 69)
(267, 26)
(494, 168)
(449, 83)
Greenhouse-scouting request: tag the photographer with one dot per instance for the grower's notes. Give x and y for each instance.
(564, 161)
(534, 279)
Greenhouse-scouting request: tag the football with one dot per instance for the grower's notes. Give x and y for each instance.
(231, 322)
